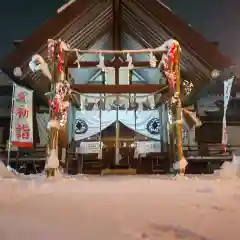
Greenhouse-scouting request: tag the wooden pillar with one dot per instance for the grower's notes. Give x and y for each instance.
(117, 46)
(180, 156)
(63, 131)
(52, 162)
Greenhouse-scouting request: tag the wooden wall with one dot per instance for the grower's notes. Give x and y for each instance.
(209, 133)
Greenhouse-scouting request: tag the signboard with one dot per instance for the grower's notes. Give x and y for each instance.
(89, 147)
(144, 147)
(22, 117)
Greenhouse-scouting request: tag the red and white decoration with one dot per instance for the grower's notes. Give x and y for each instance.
(22, 118)
(227, 93)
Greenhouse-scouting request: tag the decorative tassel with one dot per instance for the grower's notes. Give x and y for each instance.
(101, 62)
(129, 60)
(153, 60)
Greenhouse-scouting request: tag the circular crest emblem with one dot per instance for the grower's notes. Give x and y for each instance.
(81, 126)
(153, 126)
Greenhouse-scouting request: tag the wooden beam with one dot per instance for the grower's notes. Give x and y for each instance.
(91, 64)
(116, 40)
(116, 37)
(49, 30)
(187, 36)
(119, 89)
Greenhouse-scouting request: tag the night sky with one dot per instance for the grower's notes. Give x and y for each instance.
(217, 20)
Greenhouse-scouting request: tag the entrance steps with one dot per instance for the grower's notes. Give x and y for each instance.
(119, 171)
(92, 166)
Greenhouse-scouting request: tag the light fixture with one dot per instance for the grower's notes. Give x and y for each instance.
(17, 72)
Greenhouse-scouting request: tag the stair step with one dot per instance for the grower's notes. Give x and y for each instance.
(119, 172)
(92, 165)
(92, 171)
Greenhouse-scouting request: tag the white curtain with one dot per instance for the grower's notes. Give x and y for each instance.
(147, 122)
(87, 123)
(42, 121)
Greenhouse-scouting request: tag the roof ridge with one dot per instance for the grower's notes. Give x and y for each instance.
(66, 5)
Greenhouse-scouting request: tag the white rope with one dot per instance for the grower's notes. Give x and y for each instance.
(119, 95)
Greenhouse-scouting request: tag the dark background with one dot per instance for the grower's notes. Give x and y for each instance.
(217, 20)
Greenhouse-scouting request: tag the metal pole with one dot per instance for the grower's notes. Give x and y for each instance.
(10, 127)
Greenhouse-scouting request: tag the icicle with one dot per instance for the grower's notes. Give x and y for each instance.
(101, 62)
(153, 60)
(129, 60)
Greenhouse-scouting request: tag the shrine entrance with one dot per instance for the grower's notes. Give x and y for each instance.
(151, 115)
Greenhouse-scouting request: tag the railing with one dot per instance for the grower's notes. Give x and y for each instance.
(209, 152)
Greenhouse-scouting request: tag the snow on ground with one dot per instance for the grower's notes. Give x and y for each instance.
(119, 208)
